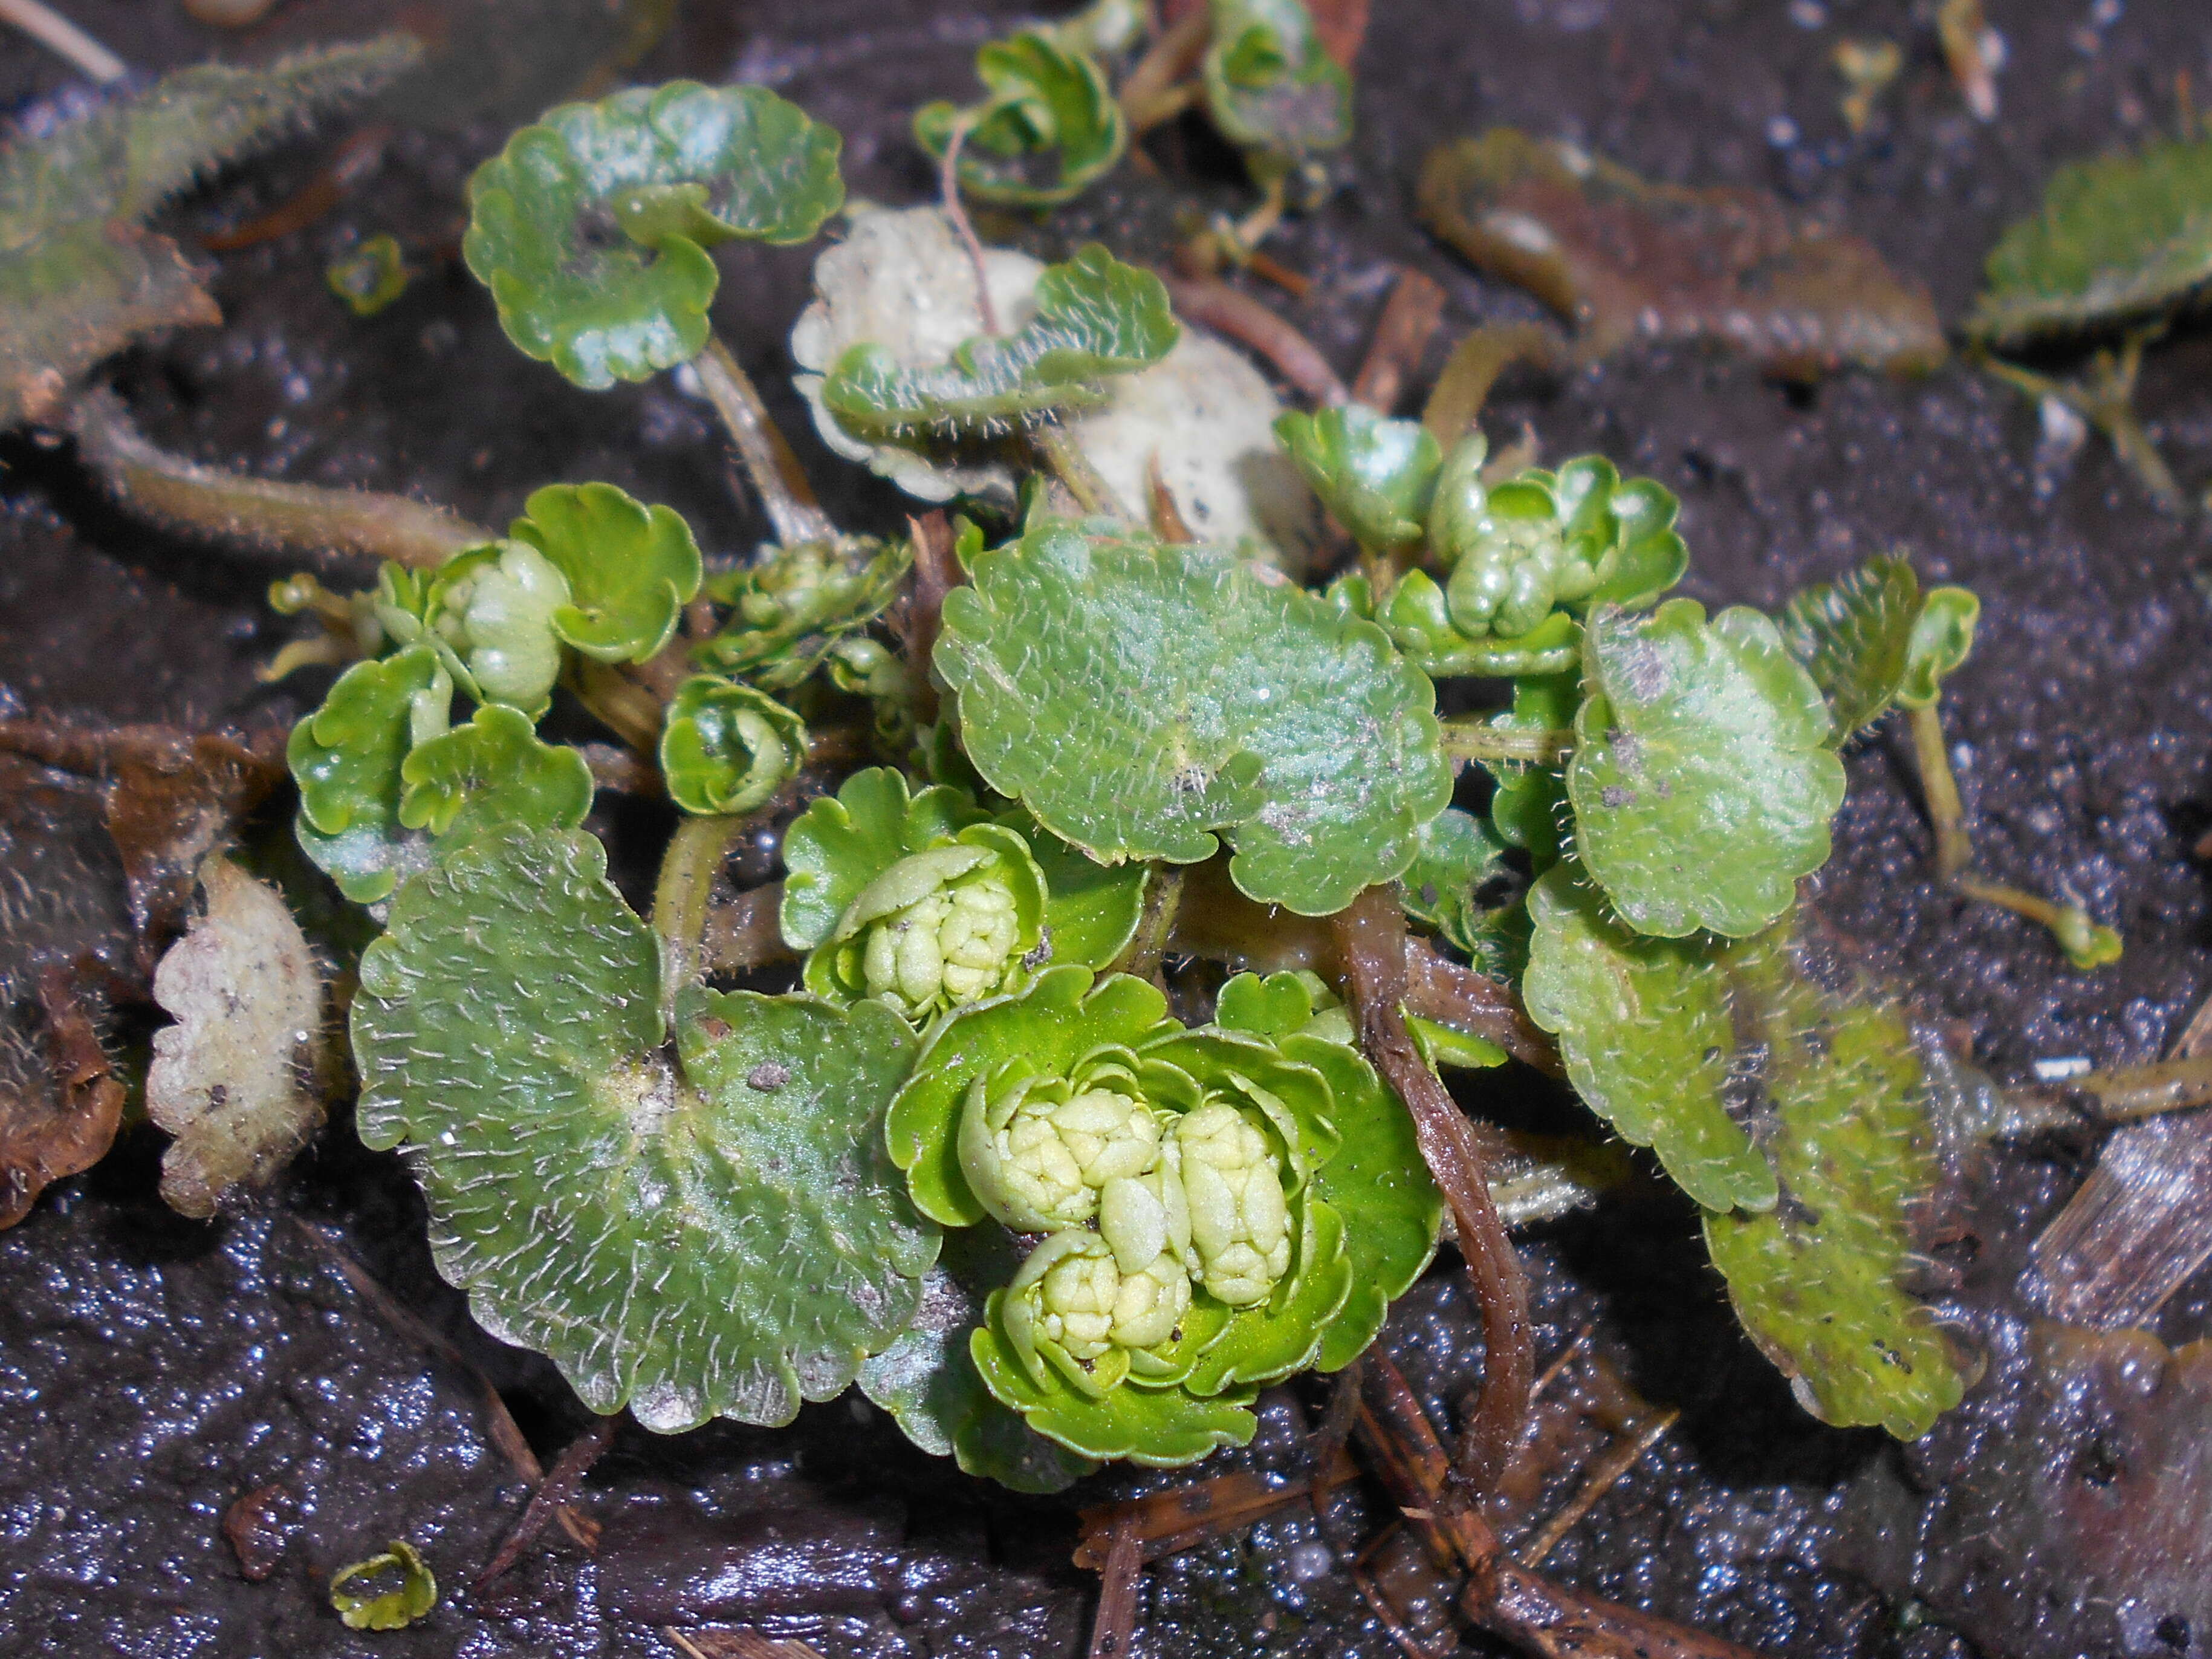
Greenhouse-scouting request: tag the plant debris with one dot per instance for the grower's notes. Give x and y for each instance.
(1622, 258)
(240, 1078)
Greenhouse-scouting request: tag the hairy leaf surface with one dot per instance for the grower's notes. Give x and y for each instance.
(719, 1232)
(1872, 639)
(1701, 781)
(1182, 699)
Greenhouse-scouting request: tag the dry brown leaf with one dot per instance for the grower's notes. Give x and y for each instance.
(1625, 258)
(58, 1111)
(235, 1079)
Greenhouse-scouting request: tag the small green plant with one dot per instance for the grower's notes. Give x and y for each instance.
(1038, 776)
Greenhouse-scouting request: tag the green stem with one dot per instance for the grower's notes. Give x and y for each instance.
(1476, 739)
(617, 702)
(2087, 944)
(1072, 468)
(1954, 851)
(680, 894)
(769, 461)
(2105, 397)
(2136, 1092)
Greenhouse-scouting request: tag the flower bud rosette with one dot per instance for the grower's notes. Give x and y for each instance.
(792, 607)
(1525, 559)
(1220, 1208)
(929, 903)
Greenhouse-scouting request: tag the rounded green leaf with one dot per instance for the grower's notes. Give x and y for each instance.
(1459, 853)
(591, 227)
(1063, 1016)
(346, 758)
(1050, 128)
(719, 1232)
(727, 748)
(493, 770)
(1942, 634)
(1142, 699)
(1091, 909)
(631, 568)
(412, 1590)
(842, 842)
(1701, 779)
(1160, 1428)
(1095, 318)
(1645, 1028)
(1374, 474)
(492, 608)
(1871, 638)
(370, 278)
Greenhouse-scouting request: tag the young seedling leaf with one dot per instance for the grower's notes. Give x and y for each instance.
(1872, 639)
(1187, 700)
(1701, 779)
(1457, 854)
(1375, 475)
(1050, 129)
(1817, 1280)
(2117, 237)
(398, 1588)
(346, 758)
(1095, 318)
(1645, 1028)
(371, 277)
(591, 228)
(631, 568)
(80, 276)
(928, 1380)
(236, 1078)
(791, 609)
(727, 748)
(493, 770)
(1271, 87)
(716, 1233)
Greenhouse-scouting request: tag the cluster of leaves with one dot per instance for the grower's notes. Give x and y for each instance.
(1051, 126)
(616, 1157)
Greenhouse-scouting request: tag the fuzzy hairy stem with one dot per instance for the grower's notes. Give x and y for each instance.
(324, 526)
(64, 38)
(680, 894)
(1072, 468)
(1476, 739)
(769, 460)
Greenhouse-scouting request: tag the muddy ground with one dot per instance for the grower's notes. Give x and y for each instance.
(152, 1370)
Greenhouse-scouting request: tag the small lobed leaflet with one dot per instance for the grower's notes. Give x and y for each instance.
(1872, 639)
(1190, 701)
(1050, 129)
(1095, 318)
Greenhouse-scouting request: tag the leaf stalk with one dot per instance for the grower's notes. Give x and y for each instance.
(787, 497)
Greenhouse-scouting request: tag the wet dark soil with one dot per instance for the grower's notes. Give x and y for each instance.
(154, 1372)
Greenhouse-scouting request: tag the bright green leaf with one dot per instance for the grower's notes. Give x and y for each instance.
(1049, 129)
(790, 609)
(1418, 618)
(1645, 1028)
(493, 770)
(1375, 475)
(1139, 698)
(346, 757)
(490, 612)
(1872, 639)
(1458, 853)
(2115, 237)
(591, 228)
(727, 748)
(842, 842)
(413, 1589)
(716, 1232)
(1095, 318)
(1701, 781)
(631, 568)
(371, 277)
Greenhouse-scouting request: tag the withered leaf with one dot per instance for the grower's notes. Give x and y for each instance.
(1623, 258)
(59, 1109)
(234, 1079)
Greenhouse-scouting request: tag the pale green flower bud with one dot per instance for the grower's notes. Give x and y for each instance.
(506, 613)
(1239, 1224)
(937, 929)
(1148, 1306)
(1071, 1295)
(1037, 1154)
(1141, 1216)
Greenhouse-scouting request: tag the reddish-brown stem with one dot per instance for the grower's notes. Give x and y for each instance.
(936, 573)
(744, 933)
(1173, 55)
(1212, 303)
(1116, 1621)
(1440, 989)
(1370, 935)
(551, 1496)
(1409, 321)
